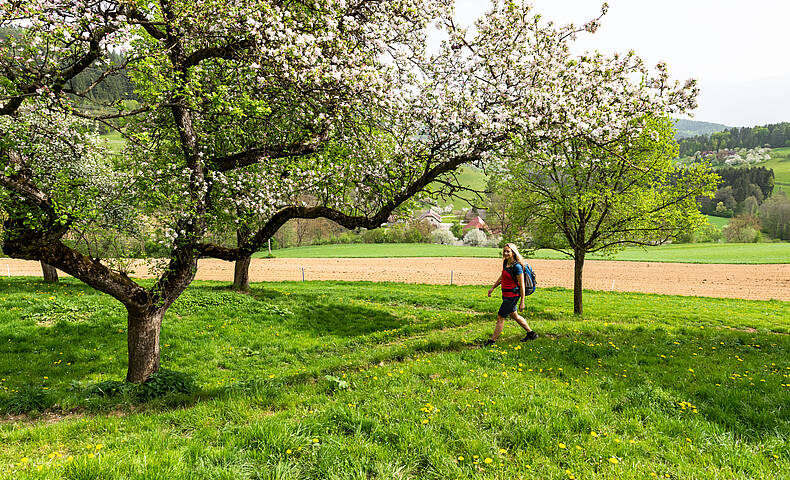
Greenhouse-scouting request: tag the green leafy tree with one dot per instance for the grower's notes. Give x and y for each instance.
(579, 197)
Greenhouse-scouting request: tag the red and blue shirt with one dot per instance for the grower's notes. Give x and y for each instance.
(510, 275)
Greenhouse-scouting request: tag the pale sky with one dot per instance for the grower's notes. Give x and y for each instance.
(737, 50)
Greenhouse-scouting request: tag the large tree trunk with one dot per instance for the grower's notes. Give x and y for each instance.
(241, 271)
(143, 343)
(241, 275)
(578, 266)
(50, 273)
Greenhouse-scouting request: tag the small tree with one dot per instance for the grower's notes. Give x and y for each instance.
(742, 229)
(475, 238)
(775, 216)
(580, 197)
(443, 236)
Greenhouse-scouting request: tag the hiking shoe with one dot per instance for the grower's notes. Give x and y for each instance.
(530, 336)
(488, 343)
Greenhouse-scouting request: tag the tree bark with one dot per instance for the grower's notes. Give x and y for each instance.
(143, 343)
(50, 273)
(241, 275)
(578, 266)
(241, 271)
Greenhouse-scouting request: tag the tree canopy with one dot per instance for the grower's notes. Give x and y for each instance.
(282, 110)
(580, 197)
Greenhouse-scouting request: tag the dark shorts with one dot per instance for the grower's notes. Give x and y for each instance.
(508, 306)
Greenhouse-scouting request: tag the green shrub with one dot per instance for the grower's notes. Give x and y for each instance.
(377, 235)
(705, 233)
(164, 382)
(742, 229)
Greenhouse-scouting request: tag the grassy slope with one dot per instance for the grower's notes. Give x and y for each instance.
(718, 221)
(753, 253)
(471, 178)
(780, 163)
(677, 386)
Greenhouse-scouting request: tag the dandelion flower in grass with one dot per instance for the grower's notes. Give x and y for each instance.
(691, 370)
(289, 451)
(315, 440)
(90, 455)
(562, 445)
(488, 460)
(502, 450)
(593, 434)
(460, 458)
(614, 460)
(24, 460)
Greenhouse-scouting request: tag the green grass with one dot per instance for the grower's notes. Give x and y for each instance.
(732, 253)
(718, 221)
(358, 380)
(780, 163)
(114, 141)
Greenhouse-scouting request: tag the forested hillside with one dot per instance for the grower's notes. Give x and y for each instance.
(774, 135)
(693, 128)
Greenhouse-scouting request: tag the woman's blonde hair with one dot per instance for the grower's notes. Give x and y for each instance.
(519, 258)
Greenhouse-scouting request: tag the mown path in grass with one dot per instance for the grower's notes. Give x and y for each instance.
(320, 380)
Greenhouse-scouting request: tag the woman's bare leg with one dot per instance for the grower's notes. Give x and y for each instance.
(521, 321)
(500, 325)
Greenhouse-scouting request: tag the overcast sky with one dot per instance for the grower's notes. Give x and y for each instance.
(737, 50)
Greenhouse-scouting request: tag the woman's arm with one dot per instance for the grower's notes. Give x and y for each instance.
(521, 289)
(496, 284)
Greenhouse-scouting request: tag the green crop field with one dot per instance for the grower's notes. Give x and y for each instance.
(751, 253)
(333, 380)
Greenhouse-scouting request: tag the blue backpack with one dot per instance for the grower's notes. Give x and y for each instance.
(529, 278)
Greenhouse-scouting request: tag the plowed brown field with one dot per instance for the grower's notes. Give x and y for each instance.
(755, 282)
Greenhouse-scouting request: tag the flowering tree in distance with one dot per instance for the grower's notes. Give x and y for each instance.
(267, 110)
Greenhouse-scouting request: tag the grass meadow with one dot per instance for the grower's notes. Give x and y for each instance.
(340, 380)
(727, 253)
(780, 163)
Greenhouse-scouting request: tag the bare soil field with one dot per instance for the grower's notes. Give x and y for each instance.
(753, 282)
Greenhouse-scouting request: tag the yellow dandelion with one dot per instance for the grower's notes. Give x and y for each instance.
(488, 460)
(502, 450)
(460, 458)
(289, 451)
(315, 440)
(24, 460)
(614, 460)
(593, 434)
(90, 455)
(562, 445)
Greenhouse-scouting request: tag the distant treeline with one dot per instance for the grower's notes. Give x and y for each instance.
(774, 135)
(741, 191)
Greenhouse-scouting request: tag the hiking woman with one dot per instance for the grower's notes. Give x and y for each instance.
(512, 281)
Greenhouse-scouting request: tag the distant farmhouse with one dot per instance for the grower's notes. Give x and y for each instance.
(477, 222)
